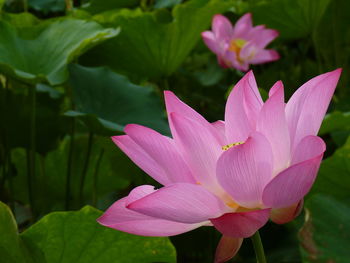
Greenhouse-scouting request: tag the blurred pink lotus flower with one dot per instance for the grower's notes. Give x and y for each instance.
(234, 174)
(241, 45)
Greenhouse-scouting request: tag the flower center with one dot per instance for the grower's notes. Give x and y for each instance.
(228, 146)
(236, 45)
(233, 205)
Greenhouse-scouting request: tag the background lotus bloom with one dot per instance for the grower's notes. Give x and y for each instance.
(231, 174)
(241, 45)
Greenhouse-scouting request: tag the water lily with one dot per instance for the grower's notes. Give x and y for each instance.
(234, 174)
(241, 45)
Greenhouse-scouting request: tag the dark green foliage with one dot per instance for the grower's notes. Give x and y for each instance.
(98, 65)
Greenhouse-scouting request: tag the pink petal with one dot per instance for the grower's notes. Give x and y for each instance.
(243, 224)
(162, 150)
(201, 148)
(265, 55)
(292, 184)
(244, 170)
(309, 147)
(241, 66)
(276, 87)
(229, 59)
(252, 99)
(139, 192)
(265, 37)
(273, 125)
(255, 33)
(209, 39)
(222, 27)
(224, 63)
(227, 248)
(184, 203)
(220, 127)
(286, 214)
(242, 109)
(243, 26)
(306, 108)
(120, 218)
(141, 158)
(174, 104)
(248, 51)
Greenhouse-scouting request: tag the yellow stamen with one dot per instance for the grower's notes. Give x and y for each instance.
(228, 146)
(235, 46)
(232, 205)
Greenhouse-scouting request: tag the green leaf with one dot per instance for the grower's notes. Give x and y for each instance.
(325, 236)
(12, 248)
(337, 124)
(333, 178)
(97, 6)
(292, 18)
(76, 237)
(166, 3)
(107, 101)
(47, 6)
(73, 237)
(41, 53)
(335, 121)
(2, 2)
(332, 45)
(154, 44)
(21, 20)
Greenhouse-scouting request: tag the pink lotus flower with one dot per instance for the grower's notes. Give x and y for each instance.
(241, 45)
(234, 174)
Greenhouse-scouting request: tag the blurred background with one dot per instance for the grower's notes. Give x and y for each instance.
(74, 73)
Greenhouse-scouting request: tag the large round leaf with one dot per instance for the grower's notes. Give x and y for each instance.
(2, 2)
(12, 248)
(335, 121)
(41, 53)
(47, 6)
(107, 101)
(76, 237)
(325, 236)
(154, 44)
(335, 28)
(292, 18)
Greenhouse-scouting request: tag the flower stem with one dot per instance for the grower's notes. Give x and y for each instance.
(69, 165)
(95, 178)
(25, 6)
(258, 247)
(85, 168)
(31, 153)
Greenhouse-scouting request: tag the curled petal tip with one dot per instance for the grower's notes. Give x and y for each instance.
(168, 92)
(128, 127)
(250, 72)
(247, 16)
(204, 33)
(219, 16)
(338, 70)
(276, 33)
